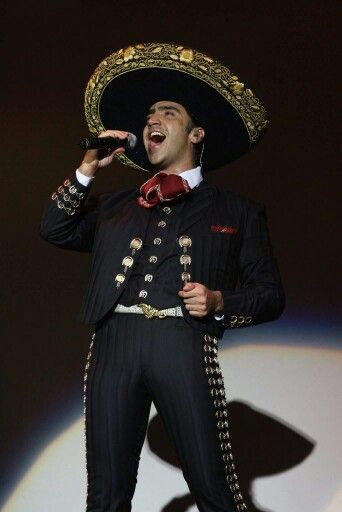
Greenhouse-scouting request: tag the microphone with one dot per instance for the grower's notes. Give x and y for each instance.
(108, 142)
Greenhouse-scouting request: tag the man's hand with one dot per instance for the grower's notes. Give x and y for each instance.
(95, 159)
(200, 301)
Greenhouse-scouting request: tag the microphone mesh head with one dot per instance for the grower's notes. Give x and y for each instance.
(131, 140)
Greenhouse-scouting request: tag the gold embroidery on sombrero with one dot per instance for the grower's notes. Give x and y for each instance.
(186, 60)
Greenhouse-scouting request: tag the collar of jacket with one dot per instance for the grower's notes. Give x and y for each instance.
(199, 200)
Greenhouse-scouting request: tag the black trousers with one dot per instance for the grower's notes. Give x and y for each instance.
(133, 361)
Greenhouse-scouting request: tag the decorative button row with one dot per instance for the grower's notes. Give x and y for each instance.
(222, 403)
(213, 381)
(67, 197)
(186, 277)
(213, 360)
(119, 278)
(85, 378)
(210, 370)
(162, 224)
(217, 391)
(73, 189)
(135, 245)
(167, 210)
(237, 321)
(185, 259)
(185, 241)
(128, 260)
(208, 348)
(221, 414)
(149, 277)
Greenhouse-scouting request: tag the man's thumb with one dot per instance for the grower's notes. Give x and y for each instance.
(189, 286)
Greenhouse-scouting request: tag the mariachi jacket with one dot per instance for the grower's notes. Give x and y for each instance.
(229, 246)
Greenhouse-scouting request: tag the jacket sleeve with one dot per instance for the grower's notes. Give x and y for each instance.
(260, 297)
(66, 223)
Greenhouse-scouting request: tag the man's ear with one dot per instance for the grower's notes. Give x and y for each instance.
(197, 135)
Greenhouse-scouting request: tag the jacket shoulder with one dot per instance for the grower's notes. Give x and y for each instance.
(105, 200)
(239, 201)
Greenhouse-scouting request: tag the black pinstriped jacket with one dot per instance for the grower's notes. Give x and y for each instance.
(230, 250)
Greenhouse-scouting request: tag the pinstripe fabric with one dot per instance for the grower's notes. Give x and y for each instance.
(220, 260)
(134, 361)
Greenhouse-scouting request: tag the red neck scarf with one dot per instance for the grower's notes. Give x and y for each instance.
(162, 187)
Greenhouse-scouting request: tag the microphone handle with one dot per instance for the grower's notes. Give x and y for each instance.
(103, 143)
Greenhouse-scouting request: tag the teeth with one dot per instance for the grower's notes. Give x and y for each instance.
(152, 134)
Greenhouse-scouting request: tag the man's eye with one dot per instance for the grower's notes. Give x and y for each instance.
(169, 113)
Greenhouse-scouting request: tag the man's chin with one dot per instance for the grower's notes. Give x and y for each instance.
(156, 161)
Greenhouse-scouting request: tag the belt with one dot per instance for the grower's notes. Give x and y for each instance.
(149, 311)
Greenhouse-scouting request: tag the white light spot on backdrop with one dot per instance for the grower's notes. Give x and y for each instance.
(299, 386)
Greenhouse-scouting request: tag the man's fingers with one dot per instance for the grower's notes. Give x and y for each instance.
(196, 307)
(187, 295)
(188, 287)
(119, 150)
(197, 313)
(194, 300)
(119, 134)
(199, 301)
(190, 292)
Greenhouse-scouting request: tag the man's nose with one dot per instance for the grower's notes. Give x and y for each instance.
(153, 120)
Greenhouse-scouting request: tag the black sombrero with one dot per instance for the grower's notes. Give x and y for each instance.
(130, 80)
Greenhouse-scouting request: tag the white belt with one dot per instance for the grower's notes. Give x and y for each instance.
(149, 311)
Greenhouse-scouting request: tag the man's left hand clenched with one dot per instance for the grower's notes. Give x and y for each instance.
(200, 301)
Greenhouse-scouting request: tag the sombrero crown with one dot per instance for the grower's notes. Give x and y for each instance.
(130, 80)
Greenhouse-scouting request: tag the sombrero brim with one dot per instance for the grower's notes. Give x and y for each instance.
(120, 94)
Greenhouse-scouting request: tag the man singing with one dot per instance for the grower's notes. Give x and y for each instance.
(174, 264)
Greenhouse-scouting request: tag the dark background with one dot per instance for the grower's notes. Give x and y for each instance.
(286, 52)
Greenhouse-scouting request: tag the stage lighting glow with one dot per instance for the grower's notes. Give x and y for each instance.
(297, 386)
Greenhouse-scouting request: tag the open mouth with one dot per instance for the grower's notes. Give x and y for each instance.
(156, 138)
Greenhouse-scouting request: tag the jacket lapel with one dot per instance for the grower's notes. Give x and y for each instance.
(199, 203)
(138, 215)
(123, 222)
(134, 219)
